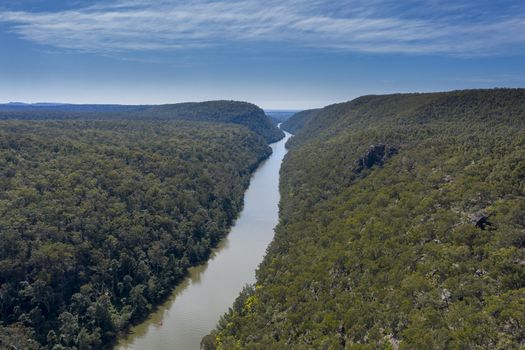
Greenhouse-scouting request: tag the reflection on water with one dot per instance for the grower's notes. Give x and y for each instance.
(197, 303)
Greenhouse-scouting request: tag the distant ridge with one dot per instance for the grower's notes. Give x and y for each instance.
(279, 116)
(67, 107)
(297, 121)
(16, 104)
(235, 112)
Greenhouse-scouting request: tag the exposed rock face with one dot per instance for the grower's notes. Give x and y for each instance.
(480, 219)
(376, 155)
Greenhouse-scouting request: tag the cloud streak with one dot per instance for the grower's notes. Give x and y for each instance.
(375, 26)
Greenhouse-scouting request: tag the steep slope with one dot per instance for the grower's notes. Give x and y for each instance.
(278, 116)
(99, 220)
(242, 113)
(401, 227)
(298, 120)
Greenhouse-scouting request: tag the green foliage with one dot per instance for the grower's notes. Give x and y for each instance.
(298, 120)
(241, 113)
(99, 220)
(16, 336)
(389, 257)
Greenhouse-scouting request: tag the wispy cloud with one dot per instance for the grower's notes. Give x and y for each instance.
(380, 26)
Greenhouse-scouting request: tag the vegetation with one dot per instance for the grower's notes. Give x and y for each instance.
(65, 107)
(241, 113)
(414, 243)
(100, 219)
(279, 116)
(298, 120)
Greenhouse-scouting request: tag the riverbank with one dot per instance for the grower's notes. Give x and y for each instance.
(196, 304)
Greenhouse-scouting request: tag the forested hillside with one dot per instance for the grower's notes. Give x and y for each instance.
(402, 226)
(242, 113)
(298, 120)
(99, 220)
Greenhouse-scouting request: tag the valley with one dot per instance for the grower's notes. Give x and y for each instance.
(399, 225)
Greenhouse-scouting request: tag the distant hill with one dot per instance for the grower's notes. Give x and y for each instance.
(401, 227)
(298, 120)
(66, 107)
(241, 113)
(279, 116)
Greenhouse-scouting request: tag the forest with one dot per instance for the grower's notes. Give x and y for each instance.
(101, 218)
(402, 226)
(293, 125)
(242, 113)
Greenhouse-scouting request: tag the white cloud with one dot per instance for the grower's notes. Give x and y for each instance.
(374, 26)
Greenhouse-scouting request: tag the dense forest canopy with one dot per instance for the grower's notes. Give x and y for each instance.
(100, 219)
(298, 120)
(242, 113)
(402, 226)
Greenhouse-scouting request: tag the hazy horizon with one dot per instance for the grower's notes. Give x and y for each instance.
(266, 109)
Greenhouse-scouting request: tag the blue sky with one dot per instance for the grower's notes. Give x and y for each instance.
(289, 54)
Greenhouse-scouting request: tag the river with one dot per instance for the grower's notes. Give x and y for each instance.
(195, 306)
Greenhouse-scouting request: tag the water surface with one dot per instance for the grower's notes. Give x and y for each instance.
(195, 306)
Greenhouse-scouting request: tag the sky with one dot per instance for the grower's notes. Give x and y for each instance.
(279, 54)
